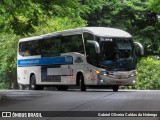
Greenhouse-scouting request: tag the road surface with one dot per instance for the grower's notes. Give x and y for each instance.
(75, 100)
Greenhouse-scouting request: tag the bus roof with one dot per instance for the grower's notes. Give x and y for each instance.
(98, 31)
(108, 32)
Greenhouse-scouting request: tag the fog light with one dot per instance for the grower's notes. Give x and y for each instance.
(102, 81)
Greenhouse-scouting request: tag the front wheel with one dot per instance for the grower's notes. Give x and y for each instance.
(82, 85)
(115, 88)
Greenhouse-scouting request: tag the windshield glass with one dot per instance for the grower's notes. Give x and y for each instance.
(124, 45)
(108, 49)
(124, 48)
(116, 52)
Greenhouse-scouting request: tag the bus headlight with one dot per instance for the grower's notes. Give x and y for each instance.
(100, 72)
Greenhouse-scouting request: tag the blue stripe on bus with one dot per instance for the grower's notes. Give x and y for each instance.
(61, 60)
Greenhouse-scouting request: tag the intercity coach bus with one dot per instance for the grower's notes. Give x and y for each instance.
(88, 56)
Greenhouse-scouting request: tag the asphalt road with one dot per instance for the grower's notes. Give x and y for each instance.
(75, 100)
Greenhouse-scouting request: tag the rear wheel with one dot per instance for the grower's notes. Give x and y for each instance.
(115, 88)
(81, 83)
(33, 85)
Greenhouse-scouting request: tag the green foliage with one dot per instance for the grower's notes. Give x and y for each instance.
(21, 16)
(148, 74)
(8, 43)
(57, 24)
(155, 5)
(134, 16)
(4, 81)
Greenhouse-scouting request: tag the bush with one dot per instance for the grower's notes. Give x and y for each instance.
(4, 81)
(148, 74)
(8, 58)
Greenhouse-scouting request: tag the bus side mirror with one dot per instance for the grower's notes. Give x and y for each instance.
(140, 48)
(96, 44)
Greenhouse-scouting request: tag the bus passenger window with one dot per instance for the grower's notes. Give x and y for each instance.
(50, 46)
(28, 48)
(72, 43)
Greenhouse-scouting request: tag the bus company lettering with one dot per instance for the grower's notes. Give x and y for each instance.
(68, 59)
(29, 62)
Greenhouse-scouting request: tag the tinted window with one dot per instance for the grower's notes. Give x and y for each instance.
(28, 48)
(50, 46)
(91, 55)
(44, 47)
(72, 43)
(90, 49)
(88, 36)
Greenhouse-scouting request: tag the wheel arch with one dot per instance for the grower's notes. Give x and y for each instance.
(32, 73)
(78, 75)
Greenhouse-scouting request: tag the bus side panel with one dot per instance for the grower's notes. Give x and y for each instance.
(24, 74)
(21, 76)
(56, 75)
(80, 65)
(68, 76)
(90, 74)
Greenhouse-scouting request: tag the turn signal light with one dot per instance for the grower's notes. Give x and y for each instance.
(98, 72)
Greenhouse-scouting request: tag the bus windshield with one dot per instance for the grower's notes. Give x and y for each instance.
(117, 53)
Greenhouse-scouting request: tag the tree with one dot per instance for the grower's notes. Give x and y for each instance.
(19, 16)
(133, 16)
(155, 5)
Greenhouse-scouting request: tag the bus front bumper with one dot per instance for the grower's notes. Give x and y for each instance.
(124, 80)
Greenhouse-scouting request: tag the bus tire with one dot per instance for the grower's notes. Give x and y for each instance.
(62, 88)
(81, 83)
(115, 88)
(33, 85)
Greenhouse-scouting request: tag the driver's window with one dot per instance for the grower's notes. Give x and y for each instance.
(91, 55)
(90, 49)
(87, 36)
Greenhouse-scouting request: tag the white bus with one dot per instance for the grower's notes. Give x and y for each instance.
(88, 56)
